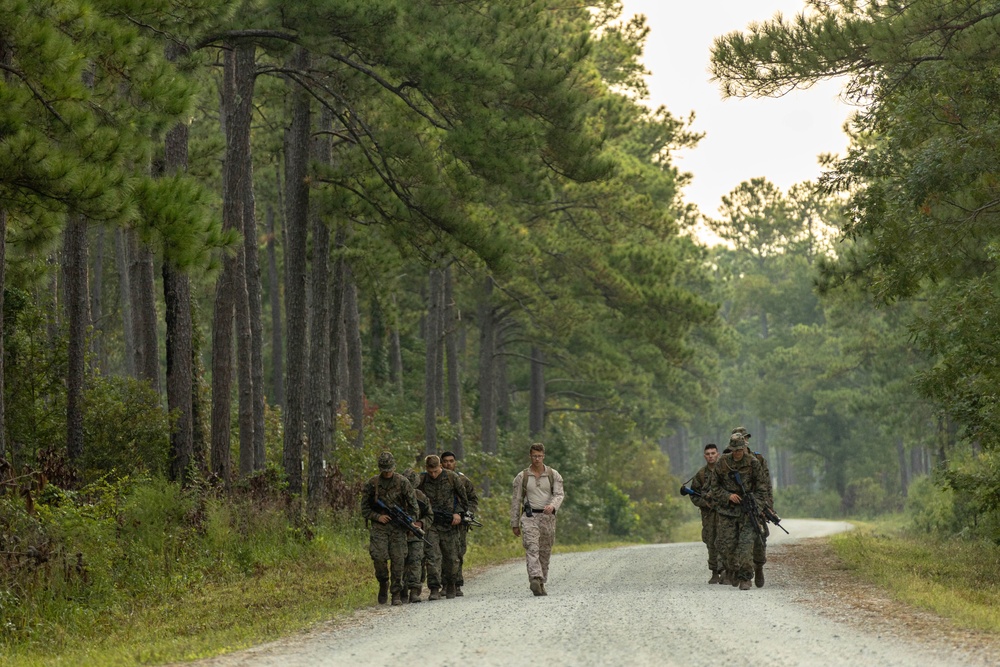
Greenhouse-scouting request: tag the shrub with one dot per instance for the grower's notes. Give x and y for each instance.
(800, 502)
(931, 507)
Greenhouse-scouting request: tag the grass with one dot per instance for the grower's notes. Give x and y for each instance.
(954, 578)
(330, 582)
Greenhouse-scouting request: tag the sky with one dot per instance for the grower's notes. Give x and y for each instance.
(779, 139)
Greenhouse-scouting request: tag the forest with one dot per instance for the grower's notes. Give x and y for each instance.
(246, 248)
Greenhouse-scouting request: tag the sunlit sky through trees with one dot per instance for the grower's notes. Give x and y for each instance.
(779, 139)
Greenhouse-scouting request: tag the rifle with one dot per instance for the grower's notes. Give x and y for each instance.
(773, 518)
(402, 519)
(443, 517)
(469, 519)
(688, 491)
(749, 504)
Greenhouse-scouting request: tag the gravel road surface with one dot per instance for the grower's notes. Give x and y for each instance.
(642, 605)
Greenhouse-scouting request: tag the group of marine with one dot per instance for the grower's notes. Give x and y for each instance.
(734, 494)
(419, 524)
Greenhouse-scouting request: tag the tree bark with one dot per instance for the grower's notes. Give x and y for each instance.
(432, 372)
(144, 320)
(3, 284)
(255, 309)
(75, 263)
(274, 289)
(487, 369)
(319, 321)
(125, 296)
(296, 223)
(536, 411)
(451, 320)
(97, 348)
(352, 329)
(396, 352)
(180, 328)
(338, 340)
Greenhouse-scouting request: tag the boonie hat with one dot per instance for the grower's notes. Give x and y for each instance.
(386, 462)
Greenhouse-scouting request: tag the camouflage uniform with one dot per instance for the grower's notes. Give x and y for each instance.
(538, 532)
(759, 544)
(709, 517)
(413, 572)
(735, 535)
(387, 541)
(447, 495)
(463, 530)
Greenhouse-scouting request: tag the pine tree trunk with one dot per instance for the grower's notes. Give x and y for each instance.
(180, 329)
(144, 321)
(487, 370)
(255, 309)
(536, 408)
(439, 372)
(75, 266)
(319, 343)
(97, 349)
(3, 285)
(296, 223)
(378, 359)
(432, 371)
(501, 390)
(125, 297)
(451, 319)
(244, 364)
(274, 289)
(338, 339)
(396, 352)
(352, 330)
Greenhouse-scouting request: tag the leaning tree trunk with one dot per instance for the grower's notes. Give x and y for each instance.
(432, 371)
(297, 225)
(180, 327)
(75, 263)
(319, 337)
(355, 360)
(536, 408)
(451, 353)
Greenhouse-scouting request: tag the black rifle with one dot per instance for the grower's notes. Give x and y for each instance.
(469, 519)
(402, 519)
(749, 504)
(443, 517)
(773, 518)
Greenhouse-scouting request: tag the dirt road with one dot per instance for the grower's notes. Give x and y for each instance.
(642, 605)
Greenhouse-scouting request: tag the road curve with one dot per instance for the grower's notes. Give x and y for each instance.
(641, 605)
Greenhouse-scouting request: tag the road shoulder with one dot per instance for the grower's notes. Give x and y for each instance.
(827, 585)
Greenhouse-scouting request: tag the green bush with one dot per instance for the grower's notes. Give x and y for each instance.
(931, 507)
(800, 502)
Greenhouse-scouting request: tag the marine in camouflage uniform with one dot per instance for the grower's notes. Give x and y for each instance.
(447, 495)
(448, 463)
(387, 541)
(767, 493)
(709, 517)
(413, 572)
(735, 537)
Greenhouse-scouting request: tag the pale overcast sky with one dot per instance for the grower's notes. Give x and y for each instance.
(779, 139)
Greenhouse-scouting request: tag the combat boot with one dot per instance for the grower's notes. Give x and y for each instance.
(733, 580)
(758, 575)
(397, 599)
(724, 578)
(536, 585)
(458, 591)
(715, 577)
(435, 594)
(745, 585)
(383, 592)
(414, 595)
(449, 591)
(542, 587)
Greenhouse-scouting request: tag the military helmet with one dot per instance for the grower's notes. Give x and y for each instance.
(386, 462)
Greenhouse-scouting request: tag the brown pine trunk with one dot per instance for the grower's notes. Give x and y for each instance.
(536, 408)
(395, 352)
(296, 230)
(432, 372)
(255, 310)
(75, 267)
(97, 349)
(355, 360)
(144, 320)
(319, 335)
(338, 340)
(125, 297)
(274, 289)
(487, 369)
(451, 320)
(180, 328)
